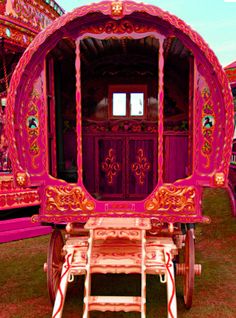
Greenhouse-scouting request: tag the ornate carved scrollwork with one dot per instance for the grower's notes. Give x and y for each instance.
(116, 8)
(208, 124)
(110, 166)
(67, 198)
(171, 198)
(21, 179)
(141, 167)
(119, 27)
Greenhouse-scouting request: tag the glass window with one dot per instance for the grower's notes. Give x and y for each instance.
(127, 101)
(119, 104)
(136, 104)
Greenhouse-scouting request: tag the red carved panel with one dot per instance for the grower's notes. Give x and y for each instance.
(141, 165)
(19, 199)
(124, 166)
(110, 167)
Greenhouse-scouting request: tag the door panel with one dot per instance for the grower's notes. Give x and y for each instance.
(141, 166)
(176, 163)
(110, 170)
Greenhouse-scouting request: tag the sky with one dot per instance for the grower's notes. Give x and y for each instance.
(214, 20)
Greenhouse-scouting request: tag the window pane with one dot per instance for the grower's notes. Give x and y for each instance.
(119, 104)
(136, 104)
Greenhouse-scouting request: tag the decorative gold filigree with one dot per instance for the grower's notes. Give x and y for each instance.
(33, 125)
(117, 233)
(21, 179)
(67, 198)
(208, 124)
(116, 8)
(110, 166)
(219, 179)
(119, 27)
(172, 198)
(141, 167)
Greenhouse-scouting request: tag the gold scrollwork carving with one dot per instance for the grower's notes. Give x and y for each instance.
(121, 27)
(116, 8)
(111, 166)
(67, 198)
(219, 179)
(208, 125)
(172, 198)
(141, 167)
(21, 179)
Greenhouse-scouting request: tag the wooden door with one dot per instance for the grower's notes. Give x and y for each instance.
(110, 167)
(126, 166)
(141, 166)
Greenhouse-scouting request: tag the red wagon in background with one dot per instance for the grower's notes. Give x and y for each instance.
(20, 21)
(119, 114)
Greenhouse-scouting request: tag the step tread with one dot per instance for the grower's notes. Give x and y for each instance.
(115, 299)
(115, 303)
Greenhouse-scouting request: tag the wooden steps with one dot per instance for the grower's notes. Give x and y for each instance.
(21, 228)
(116, 247)
(114, 303)
(126, 257)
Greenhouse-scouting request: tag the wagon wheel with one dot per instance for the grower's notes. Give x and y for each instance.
(189, 260)
(55, 261)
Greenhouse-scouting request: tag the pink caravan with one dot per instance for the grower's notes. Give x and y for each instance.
(119, 114)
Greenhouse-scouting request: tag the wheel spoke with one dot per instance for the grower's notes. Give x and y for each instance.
(189, 260)
(55, 261)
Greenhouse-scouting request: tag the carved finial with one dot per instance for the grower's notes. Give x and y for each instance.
(21, 179)
(219, 179)
(117, 8)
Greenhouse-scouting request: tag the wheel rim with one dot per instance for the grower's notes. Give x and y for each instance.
(189, 259)
(55, 261)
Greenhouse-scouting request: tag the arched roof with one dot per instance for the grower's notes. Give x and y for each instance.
(118, 10)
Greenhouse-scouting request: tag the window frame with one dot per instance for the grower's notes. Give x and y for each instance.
(127, 89)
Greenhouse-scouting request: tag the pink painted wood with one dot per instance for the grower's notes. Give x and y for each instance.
(22, 228)
(211, 146)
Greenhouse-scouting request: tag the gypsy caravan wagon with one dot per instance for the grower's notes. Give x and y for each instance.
(119, 114)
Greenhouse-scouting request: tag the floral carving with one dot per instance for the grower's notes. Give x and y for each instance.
(172, 198)
(119, 27)
(141, 167)
(19, 198)
(21, 179)
(110, 166)
(219, 179)
(30, 11)
(67, 198)
(116, 8)
(208, 124)
(33, 125)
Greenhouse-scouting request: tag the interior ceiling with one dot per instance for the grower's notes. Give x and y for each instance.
(96, 48)
(111, 56)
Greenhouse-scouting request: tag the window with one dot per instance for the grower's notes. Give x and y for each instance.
(127, 101)
(119, 104)
(136, 104)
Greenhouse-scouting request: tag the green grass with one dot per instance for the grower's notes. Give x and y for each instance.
(23, 292)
